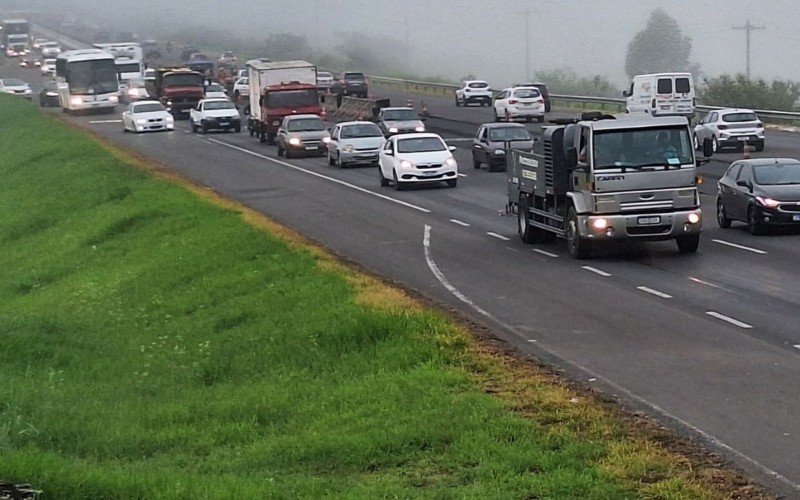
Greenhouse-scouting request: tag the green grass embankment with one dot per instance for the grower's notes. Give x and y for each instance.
(158, 343)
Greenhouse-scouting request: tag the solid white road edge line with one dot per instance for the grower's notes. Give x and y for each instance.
(597, 271)
(459, 222)
(105, 121)
(654, 292)
(740, 247)
(498, 236)
(426, 241)
(321, 176)
(728, 319)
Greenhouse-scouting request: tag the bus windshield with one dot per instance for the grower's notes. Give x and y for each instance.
(639, 148)
(93, 77)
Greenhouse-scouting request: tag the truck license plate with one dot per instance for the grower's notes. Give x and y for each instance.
(649, 220)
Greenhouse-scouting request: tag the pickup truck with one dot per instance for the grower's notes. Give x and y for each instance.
(215, 114)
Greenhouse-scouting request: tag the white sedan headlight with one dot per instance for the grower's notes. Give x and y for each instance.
(348, 148)
(294, 141)
(450, 162)
(499, 151)
(406, 164)
(76, 101)
(141, 121)
(326, 140)
(420, 128)
(392, 130)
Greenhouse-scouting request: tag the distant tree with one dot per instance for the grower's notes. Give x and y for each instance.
(740, 92)
(660, 47)
(566, 81)
(368, 52)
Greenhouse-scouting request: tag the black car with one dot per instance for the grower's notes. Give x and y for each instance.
(761, 192)
(48, 97)
(352, 83)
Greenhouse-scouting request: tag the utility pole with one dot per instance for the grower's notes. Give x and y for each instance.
(748, 27)
(527, 46)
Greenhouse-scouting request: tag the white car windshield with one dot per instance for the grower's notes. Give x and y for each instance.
(215, 88)
(398, 115)
(420, 145)
(150, 107)
(305, 125)
(365, 130)
(218, 105)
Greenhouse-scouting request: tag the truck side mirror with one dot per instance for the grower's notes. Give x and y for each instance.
(708, 147)
(572, 158)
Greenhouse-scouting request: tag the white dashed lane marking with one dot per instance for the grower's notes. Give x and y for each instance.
(498, 236)
(654, 292)
(728, 319)
(545, 253)
(459, 222)
(740, 247)
(597, 271)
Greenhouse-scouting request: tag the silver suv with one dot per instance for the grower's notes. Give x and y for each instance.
(730, 128)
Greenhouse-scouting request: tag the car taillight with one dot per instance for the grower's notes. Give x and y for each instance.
(722, 127)
(540, 100)
(513, 101)
(759, 125)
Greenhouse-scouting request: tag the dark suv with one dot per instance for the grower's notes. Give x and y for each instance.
(545, 95)
(352, 83)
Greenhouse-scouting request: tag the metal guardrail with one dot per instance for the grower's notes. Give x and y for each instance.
(447, 89)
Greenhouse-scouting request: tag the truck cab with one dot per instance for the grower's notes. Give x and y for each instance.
(609, 178)
(178, 89)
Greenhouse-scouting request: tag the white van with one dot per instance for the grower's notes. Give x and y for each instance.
(661, 94)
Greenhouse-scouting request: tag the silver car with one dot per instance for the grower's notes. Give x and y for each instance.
(399, 121)
(730, 128)
(355, 143)
(324, 80)
(490, 143)
(302, 134)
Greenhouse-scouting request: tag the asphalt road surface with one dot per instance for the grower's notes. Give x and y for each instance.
(708, 343)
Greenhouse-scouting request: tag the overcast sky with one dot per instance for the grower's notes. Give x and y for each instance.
(453, 38)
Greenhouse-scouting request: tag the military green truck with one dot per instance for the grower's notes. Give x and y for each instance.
(605, 178)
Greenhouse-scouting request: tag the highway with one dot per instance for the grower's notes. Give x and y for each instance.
(707, 343)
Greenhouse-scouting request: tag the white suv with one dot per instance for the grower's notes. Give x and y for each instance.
(519, 102)
(474, 91)
(730, 128)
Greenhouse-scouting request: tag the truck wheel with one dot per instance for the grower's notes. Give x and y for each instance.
(688, 243)
(578, 247)
(204, 127)
(262, 136)
(527, 233)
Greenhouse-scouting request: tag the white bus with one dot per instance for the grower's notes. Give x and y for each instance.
(87, 79)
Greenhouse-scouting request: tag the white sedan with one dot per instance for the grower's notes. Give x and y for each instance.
(146, 116)
(241, 88)
(408, 159)
(519, 102)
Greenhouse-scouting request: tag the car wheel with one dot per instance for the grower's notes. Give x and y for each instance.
(722, 218)
(451, 183)
(280, 150)
(688, 243)
(756, 226)
(339, 162)
(457, 102)
(578, 247)
(204, 127)
(475, 163)
(759, 146)
(399, 186)
(714, 144)
(381, 177)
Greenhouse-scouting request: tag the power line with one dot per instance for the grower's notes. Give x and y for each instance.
(748, 28)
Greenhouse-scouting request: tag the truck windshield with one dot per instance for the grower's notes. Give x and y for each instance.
(183, 80)
(292, 99)
(305, 125)
(649, 147)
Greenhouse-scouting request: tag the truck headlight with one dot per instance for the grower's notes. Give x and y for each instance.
(600, 223)
(693, 218)
(113, 98)
(76, 101)
(294, 141)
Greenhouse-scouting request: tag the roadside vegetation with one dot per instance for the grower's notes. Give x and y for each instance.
(160, 342)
